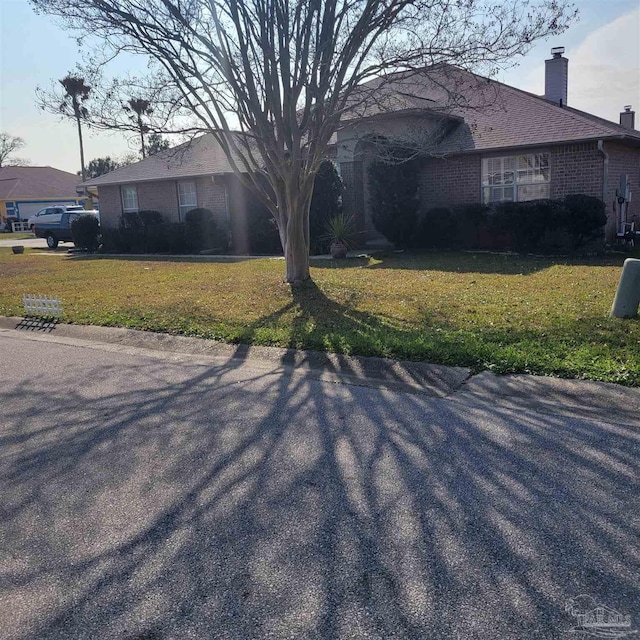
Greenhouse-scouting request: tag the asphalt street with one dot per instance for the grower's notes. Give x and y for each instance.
(153, 498)
(39, 243)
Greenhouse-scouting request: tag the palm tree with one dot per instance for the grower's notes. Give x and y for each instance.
(140, 107)
(76, 94)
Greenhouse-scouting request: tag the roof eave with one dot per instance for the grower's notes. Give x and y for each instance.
(402, 112)
(534, 145)
(111, 183)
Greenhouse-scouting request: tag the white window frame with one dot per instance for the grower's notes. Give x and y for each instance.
(132, 201)
(187, 199)
(511, 178)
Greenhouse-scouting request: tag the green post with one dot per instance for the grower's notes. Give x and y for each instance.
(625, 304)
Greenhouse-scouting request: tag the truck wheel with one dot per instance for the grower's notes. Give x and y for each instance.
(52, 242)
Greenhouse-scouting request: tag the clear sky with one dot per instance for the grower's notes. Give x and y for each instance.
(603, 50)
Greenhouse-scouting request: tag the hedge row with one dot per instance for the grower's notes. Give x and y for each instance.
(575, 223)
(147, 232)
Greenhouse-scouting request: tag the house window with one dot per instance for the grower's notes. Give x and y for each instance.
(129, 199)
(187, 199)
(516, 178)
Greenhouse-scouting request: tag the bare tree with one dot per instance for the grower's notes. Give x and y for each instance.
(271, 79)
(8, 146)
(70, 103)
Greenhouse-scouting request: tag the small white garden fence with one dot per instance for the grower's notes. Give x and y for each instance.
(41, 306)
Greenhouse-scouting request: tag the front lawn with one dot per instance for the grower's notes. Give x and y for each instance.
(22, 235)
(504, 313)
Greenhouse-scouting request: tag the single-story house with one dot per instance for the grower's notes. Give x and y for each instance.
(26, 190)
(479, 141)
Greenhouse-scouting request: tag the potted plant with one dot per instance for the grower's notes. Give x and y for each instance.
(340, 231)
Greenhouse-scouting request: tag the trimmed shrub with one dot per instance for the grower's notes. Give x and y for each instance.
(264, 238)
(113, 240)
(201, 231)
(586, 218)
(165, 237)
(557, 240)
(135, 230)
(393, 189)
(437, 229)
(253, 227)
(539, 226)
(326, 204)
(86, 232)
(130, 220)
(529, 222)
(470, 221)
(149, 217)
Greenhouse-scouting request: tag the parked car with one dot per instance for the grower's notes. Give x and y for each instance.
(52, 210)
(56, 227)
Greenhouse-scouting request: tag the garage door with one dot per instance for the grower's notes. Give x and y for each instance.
(28, 209)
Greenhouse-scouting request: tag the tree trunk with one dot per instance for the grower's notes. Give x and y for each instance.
(140, 126)
(84, 171)
(296, 254)
(296, 248)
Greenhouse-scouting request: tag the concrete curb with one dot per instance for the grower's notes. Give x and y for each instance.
(581, 399)
(435, 380)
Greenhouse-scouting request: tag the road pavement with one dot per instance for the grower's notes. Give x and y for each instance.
(151, 495)
(38, 243)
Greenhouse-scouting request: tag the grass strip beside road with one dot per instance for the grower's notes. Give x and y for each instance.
(505, 313)
(17, 236)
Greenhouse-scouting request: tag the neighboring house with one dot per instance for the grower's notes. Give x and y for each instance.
(26, 190)
(479, 140)
(196, 174)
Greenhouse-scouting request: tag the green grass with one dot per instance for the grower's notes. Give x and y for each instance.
(504, 313)
(17, 236)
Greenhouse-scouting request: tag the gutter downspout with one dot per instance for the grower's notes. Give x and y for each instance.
(605, 179)
(605, 170)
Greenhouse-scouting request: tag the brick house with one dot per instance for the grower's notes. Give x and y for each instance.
(478, 140)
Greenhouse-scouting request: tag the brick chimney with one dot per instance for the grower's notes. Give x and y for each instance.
(628, 118)
(556, 77)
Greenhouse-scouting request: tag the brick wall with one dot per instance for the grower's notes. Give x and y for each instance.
(162, 196)
(623, 159)
(450, 181)
(159, 196)
(211, 195)
(110, 205)
(576, 168)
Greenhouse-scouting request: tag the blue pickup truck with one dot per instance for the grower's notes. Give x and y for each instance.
(56, 227)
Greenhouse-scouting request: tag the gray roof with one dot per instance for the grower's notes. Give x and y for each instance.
(199, 157)
(497, 116)
(486, 115)
(23, 183)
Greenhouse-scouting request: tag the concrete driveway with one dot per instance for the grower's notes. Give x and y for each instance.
(149, 496)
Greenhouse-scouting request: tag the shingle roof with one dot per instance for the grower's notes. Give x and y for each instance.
(22, 183)
(201, 156)
(497, 116)
(486, 114)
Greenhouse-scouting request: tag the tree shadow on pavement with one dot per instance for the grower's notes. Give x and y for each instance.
(219, 501)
